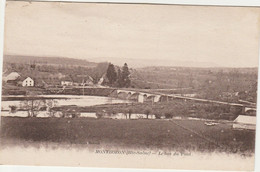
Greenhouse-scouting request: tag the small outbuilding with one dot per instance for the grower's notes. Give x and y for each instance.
(12, 76)
(67, 81)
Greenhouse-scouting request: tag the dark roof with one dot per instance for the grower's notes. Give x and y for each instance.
(22, 78)
(81, 78)
(67, 78)
(49, 81)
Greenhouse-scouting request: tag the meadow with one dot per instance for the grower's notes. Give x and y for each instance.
(173, 134)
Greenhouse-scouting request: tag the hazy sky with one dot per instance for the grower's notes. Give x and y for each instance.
(223, 36)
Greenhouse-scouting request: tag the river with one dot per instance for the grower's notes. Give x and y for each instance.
(60, 100)
(65, 100)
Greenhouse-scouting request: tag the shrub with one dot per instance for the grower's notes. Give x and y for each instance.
(114, 112)
(147, 112)
(168, 115)
(13, 109)
(75, 114)
(130, 111)
(157, 115)
(99, 115)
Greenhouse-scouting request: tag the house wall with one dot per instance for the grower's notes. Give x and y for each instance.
(66, 83)
(12, 82)
(28, 82)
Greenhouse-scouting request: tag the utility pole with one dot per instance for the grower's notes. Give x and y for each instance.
(83, 87)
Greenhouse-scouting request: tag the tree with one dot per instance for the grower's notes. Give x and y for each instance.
(125, 76)
(97, 72)
(157, 114)
(111, 74)
(147, 112)
(130, 111)
(33, 104)
(120, 81)
(191, 80)
(51, 104)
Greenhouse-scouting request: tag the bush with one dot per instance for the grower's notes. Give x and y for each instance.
(147, 112)
(130, 111)
(157, 115)
(168, 115)
(13, 109)
(114, 112)
(99, 115)
(75, 115)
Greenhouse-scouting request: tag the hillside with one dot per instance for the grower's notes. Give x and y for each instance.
(141, 62)
(52, 69)
(211, 83)
(174, 77)
(47, 60)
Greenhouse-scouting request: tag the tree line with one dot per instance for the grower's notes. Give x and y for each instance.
(119, 77)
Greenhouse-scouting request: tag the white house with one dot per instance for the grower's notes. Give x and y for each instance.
(87, 81)
(28, 82)
(100, 80)
(66, 83)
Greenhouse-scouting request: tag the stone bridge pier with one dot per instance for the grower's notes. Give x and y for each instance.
(136, 96)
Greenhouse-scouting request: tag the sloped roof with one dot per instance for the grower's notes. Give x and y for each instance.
(25, 77)
(12, 76)
(49, 81)
(67, 78)
(82, 78)
(22, 78)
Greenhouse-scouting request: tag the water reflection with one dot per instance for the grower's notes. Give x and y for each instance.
(63, 100)
(60, 100)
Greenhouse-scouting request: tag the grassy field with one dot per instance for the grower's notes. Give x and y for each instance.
(189, 135)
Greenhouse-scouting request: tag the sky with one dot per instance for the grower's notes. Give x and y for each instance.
(140, 34)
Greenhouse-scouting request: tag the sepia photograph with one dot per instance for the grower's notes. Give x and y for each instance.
(126, 85)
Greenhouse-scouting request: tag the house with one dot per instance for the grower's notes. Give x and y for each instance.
(12, 78)
(67, 81)
(28, 82)
(85, 80)
(103, 80)
(47, 82)
(82, 80)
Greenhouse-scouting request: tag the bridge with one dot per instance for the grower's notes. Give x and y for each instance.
(151, 95)
(141, 97)
(136, 95)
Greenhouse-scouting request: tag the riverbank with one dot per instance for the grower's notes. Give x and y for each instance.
(91, 91)
(109, 106)
(174, 108)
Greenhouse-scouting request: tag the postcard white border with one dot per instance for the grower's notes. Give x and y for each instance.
(248, 3)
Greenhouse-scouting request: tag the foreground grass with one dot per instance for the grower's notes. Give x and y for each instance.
(151, 134)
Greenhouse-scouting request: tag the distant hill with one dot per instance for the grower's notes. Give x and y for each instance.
(239, 79)
(47, 60)
(140, 63)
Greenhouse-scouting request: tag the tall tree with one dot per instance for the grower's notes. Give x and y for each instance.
(125, 76)
(120, 81)
(111, 74)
